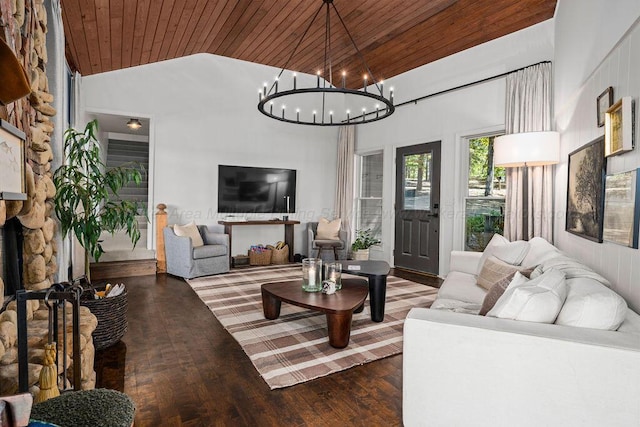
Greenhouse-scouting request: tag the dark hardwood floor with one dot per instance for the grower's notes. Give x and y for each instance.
(182, 368)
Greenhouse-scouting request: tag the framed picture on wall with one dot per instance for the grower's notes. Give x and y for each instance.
(603, 103)
(618, 129)
(585, 191)
(12, 162)
(621, 208)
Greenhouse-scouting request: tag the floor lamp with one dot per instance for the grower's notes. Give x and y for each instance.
(524, 150)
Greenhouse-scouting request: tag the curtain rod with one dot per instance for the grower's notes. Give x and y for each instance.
(497, 76)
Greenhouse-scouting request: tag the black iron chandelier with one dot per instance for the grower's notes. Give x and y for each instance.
(317, 101)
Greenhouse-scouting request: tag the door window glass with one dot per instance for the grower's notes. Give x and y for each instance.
(417, 181)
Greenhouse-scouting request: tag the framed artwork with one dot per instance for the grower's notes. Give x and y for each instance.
(12, 162)
(603, 103)
(621, 210)
(618, 129)
(585, 191)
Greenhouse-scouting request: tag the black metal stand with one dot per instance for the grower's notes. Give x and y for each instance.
(58, 294)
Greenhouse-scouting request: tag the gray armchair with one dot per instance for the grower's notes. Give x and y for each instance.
(316, 247)
(184, 260)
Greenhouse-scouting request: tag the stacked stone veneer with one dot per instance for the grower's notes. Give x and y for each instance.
(24, 23)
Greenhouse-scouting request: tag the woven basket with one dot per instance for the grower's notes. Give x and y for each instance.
(279, 256)
(112, 318)
(260, 258)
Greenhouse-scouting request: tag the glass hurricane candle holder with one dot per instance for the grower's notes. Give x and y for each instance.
(333, 272)
(312, 274)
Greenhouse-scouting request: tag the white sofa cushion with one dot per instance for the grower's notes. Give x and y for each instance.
(456, 306)
(572, 268)
(539, 250)
(590, 304)
(189, 230)
(510, 252)
(537, 300)
(631, 323)
(462, 287)
(465, 261)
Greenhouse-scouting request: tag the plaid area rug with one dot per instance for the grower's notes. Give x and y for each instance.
(295, 348)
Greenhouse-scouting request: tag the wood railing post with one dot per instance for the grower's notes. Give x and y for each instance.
(161, 223)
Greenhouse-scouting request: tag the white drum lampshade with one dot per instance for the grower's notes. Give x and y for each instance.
(527, 149)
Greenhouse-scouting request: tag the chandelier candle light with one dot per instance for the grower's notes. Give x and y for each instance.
(328, 99)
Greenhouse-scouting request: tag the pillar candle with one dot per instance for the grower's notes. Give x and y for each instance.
(312, 276)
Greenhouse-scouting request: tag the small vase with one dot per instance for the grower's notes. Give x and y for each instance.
(361, 254)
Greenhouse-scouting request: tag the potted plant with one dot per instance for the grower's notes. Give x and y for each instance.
(86, 200)
(360, 246)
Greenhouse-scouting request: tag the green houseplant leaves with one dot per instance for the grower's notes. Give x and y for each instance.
(87, 201)
(364, 240)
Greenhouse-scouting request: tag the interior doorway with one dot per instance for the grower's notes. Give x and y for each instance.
(417, 203)
(122, 144)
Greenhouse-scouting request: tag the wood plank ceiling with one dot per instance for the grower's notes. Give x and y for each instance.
(393, 35)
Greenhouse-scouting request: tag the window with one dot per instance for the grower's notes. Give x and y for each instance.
(486, 189)
(369, 194)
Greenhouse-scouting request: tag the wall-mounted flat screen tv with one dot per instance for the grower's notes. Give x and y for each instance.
(244, 189)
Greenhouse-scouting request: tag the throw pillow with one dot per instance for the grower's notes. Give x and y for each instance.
(539, 250)
(510, 252)
(536, 300)
(189, 230)
(494, 270)
(495, 293)
(328, 230)
(590, 304)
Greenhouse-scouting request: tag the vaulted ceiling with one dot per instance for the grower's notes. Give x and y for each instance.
(393, 35)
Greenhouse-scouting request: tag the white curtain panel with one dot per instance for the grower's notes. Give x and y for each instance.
(344, 181)
(57, 72)
(528, 109)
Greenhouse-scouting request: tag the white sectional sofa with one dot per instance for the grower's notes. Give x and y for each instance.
(464, 369)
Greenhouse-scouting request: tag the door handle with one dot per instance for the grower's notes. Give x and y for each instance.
(436, 210)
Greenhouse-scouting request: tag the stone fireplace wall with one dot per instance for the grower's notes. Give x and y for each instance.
(24, 27)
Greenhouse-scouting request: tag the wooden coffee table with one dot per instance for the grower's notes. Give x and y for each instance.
(338, 307)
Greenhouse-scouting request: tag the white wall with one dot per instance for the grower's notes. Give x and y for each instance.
(450, 118)
(203, 113)
(594, 50)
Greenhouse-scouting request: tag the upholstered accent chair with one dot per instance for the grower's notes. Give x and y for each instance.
(316, 246)
(184, 259)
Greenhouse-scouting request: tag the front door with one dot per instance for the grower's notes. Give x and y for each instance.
(417, 206)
